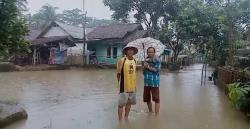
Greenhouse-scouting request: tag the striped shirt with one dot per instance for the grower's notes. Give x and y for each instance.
(152, 76)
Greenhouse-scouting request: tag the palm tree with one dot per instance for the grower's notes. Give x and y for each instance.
(21, 4)
(46, 14)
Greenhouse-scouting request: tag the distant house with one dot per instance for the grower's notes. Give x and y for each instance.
(106, 42)
(166, 56)
(52, 44)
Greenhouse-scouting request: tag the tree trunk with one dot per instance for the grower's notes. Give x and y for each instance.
(175, 57)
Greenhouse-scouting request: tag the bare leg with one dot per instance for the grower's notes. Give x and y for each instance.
(120, 112)
(150, 109)
(127, 110)
(157, 109)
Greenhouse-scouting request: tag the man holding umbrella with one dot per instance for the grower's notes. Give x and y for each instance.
(151, 69)
(151, 74)
(126, 76)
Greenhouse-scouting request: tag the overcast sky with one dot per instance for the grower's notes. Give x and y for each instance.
(95, 8)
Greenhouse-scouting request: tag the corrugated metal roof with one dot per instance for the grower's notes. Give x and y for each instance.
(115, 31)
(136, 35)
(42, 41)
(33, 34)
(74, 31)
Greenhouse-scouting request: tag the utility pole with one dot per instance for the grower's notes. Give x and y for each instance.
(84, 33)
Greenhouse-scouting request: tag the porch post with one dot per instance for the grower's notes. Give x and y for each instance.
(84, 33)
(34, 56)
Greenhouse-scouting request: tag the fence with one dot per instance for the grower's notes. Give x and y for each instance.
(226, 76)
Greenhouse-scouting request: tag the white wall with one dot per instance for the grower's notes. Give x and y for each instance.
(77, 50)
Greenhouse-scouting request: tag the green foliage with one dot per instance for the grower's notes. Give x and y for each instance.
(213, 26)
(239, 94)
(246, 72)
(196, 24)
(241, 44)
(12, 29)
(71, 17)
(75, 17)
(174, 38)
(148, 12)
(93, 22)
(46, 14)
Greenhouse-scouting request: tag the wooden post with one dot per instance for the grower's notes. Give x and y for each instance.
(84, 33)
(34, 56)
(205, 79)
(202, 74)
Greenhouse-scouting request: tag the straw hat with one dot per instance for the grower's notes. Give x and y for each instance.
(130, 47)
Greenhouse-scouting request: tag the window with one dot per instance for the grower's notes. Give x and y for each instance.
(114, 52)
(94, 50)
(109, 52)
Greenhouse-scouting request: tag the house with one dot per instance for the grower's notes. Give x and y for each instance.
(166, 56)
(52, 44)
(105, 43)
(243, 57)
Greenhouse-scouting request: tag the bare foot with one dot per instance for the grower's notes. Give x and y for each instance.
(151, 112)
(126, 119)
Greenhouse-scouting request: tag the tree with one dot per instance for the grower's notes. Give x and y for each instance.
(196, 24)
(12, 29)
(173, 38)
(237, 20)
(246, 34)
(243, 20)
(93, 22)
(214, 27)
(21, 4)
(149, 12)
(46, 14)
(72, 17)
(75, 17)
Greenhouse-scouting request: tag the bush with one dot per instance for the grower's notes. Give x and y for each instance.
(239, 92)
(6, 66)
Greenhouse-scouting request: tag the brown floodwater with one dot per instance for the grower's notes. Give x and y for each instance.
(87, 99)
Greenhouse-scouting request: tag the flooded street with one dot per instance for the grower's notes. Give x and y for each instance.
(87, 99)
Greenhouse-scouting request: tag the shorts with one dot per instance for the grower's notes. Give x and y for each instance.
(127, 98)
(151, 91)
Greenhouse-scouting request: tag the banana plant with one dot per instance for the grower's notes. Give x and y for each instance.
(239, 95)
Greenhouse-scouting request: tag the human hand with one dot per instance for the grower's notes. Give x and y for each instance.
(146, 65)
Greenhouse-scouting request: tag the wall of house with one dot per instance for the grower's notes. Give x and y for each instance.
(74, 54)
(101, 52)
(76, 50)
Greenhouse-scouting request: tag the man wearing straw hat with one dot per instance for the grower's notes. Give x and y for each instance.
(126, 76)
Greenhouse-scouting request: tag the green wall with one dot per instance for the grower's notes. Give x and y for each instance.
(101, 51)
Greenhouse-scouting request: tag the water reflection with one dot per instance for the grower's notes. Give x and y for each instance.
(87, 99)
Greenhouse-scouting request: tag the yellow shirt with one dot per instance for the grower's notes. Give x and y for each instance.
(127, 70)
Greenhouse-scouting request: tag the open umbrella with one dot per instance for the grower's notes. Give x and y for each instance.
(143, 44)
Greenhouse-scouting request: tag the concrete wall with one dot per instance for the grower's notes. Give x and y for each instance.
(101, 52)
(76, 50)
